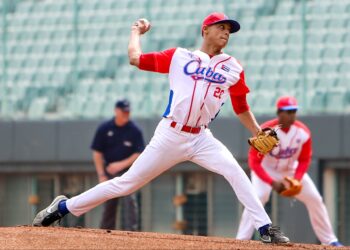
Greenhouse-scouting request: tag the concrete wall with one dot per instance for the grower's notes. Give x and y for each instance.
(63, 147)
(69, 141)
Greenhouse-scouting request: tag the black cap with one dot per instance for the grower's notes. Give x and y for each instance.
(123, 105)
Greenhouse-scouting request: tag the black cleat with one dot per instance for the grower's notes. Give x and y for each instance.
(273, 234)
(49, 215)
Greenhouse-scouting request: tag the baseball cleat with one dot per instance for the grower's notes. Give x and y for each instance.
(336, 244)
(273, 234)
(49, 215)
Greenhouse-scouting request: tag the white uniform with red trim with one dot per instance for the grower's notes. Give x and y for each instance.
(199, 85)
(291, 158)
(284, 158)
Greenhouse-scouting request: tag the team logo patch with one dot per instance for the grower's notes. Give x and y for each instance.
(193, 69)
(286, 153)
(225, 68)
(191, 55)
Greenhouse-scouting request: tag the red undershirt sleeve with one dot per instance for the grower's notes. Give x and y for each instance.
(238, 93)
(239, 103)
(304, 160)
(254, 162)
(157, 61)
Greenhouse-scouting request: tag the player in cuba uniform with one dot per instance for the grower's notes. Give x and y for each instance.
(200, 82)
(291, 158)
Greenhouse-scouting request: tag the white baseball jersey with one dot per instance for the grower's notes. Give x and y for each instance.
(293, 154)
(199, 84)
(285, 156)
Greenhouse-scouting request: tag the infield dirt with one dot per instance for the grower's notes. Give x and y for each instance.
(26, 237)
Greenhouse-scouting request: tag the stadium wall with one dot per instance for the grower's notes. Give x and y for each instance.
(44, 158)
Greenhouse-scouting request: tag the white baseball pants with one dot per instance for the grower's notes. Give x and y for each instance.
(309, 196)
(168, 147)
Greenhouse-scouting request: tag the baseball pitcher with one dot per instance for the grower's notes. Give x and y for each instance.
(200, 82)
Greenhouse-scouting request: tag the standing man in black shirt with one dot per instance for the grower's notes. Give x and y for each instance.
(116, 145)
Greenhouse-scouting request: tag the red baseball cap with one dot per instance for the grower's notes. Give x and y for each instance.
(287, 103)
(217, 17)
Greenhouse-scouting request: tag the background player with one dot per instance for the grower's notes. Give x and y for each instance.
(291, 158)
(200, 82)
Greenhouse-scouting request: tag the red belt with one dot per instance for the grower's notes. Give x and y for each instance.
(188, 129)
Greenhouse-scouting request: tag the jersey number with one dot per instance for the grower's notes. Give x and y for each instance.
(218, 92)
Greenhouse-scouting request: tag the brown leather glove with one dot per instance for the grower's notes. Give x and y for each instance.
(265, 141)
(293, 187)
(278, 186)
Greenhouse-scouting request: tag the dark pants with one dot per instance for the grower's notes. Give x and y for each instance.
(129, 209)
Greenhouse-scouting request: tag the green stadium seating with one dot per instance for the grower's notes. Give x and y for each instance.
(336, 100)
(43, 78)
(38, 108)
(344, 68)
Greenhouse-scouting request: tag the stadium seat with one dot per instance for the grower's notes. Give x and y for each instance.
(293, 54)
(325, 83)
(92, 108)
(317, 24)
(290, 70)
(314, 54)
(256, 55)
(317, 101)
(38, 108)
(328, 69)
(346, 38)
(330, 54)
(335, 100)
(315, 39)
(337, 9)
(279, 24)
(294, 39)
(318, 9)
(288, 84)
(275, 55)
(336, 24)
(334, 38)
(276, 39)
(344, 68)
(270, 70)
(284, 9)
(345, 53)
(295, 25)
(262, 103)
(343, 82)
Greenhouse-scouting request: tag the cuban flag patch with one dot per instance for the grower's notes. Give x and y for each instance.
(225, 68)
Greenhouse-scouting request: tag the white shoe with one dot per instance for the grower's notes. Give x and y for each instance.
(49, 215)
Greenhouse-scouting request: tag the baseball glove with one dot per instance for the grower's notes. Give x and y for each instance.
(265, 141)
(293, 188)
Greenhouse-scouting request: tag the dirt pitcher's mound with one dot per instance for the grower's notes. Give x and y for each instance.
(25, 237)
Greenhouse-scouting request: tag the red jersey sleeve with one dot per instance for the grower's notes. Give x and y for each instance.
(238, 94)
(239, 103)
(254, 162)
(157, 61)
(304, 159)
(240, 88)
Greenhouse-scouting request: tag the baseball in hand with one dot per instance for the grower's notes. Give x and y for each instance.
(143, 25)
